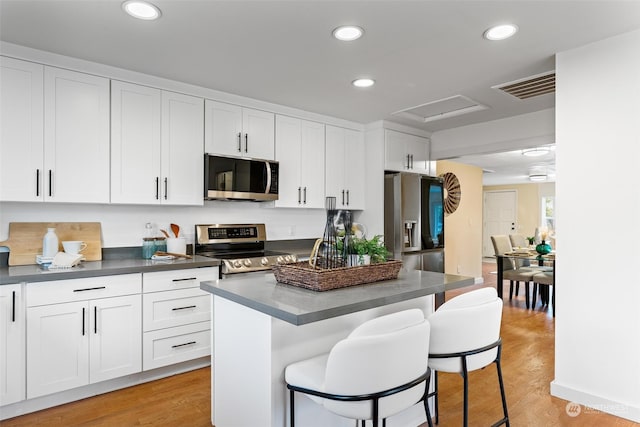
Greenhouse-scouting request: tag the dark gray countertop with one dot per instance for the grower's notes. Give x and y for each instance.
(108, 267)
(299, 306)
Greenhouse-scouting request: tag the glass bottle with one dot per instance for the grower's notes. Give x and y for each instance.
(148, 242)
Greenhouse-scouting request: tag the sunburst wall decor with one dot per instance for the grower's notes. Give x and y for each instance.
(452, 192)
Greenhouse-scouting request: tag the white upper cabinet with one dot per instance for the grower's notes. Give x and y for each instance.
(406, 153)
(345, 167)
(156, 146)
(231, 130)
(300, 146)
(76, 137)
(182, 149)
(135, 143)
(21, 135)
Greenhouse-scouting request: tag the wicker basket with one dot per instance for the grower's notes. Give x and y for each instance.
(303, 275)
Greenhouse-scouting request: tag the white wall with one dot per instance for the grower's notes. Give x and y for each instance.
(523, 131)
(598, 321)
(123, 225)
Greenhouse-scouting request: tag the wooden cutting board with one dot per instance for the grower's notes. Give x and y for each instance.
(25, 239)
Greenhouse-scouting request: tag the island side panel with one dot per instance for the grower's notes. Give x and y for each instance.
(252, 350)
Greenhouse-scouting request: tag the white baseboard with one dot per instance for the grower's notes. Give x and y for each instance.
(51, 400)
(581, 404)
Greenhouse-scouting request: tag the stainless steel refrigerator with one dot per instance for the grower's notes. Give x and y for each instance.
(414, 220)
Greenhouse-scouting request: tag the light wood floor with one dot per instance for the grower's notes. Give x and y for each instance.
(528, 352)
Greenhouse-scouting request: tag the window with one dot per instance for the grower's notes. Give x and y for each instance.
(548, 216)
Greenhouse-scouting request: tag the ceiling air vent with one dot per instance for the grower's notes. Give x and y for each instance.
(530, 86)
(441, 109)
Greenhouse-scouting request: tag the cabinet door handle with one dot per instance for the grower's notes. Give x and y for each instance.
(90, 289)
(239, 142)
(184, 280)
(13, 307)
(37, 182)
(412, 161)
(343, 197)
(95, 319)
(182, 345)
(83, 309)
(50, 182)
(246, 142)
(304, 200)
(408, 164)
(347, 197)
(183, 308)
(299, 198)
(166, 187)
(157, 187)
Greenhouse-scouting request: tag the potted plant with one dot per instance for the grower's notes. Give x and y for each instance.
(368, 251)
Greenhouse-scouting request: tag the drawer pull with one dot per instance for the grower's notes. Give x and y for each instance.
(183, 308)
(13, 307)
(83, 309)
(184, 280)
(90, 289)
(182, 345)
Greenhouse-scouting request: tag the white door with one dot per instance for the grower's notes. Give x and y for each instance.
(335, 165)
(288, 148)
(223, 129)
(311, 164)
(258, 134)
(115, 328)
(21, 140)
(57, 348)
(135, 143)
(500, 217)
(354, 169)
(12, 335)
(76, 137)
(182, 165)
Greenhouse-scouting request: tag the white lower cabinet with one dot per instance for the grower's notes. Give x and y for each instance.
(94, 335)
(177, 315)
(12, 350)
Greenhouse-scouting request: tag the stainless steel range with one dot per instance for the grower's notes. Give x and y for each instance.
(239, 247)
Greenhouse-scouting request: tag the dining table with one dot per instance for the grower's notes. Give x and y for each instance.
(543, 262)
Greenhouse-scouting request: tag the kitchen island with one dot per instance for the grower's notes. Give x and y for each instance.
(261, 326)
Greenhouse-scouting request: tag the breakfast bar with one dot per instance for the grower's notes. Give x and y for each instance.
(260, 326)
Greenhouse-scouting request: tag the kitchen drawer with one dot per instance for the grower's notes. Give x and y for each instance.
(59, 291)
(177, 279)
(175, 345)
(175, 308)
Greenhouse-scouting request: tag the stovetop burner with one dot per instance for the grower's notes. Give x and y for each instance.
(239, 247)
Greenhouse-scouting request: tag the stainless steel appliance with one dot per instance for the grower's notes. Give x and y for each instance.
(414, 220)
(239, 247)
(232, 178)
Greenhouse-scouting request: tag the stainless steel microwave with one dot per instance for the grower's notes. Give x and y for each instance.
(231, 178)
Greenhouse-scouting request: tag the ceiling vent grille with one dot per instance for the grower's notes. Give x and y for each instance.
(530, 86)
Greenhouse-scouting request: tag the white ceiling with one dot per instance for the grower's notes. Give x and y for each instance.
(282, 51)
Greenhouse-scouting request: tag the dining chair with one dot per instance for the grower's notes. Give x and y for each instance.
(511, 269)
(545, 279)
(465, 336)
(379, 370)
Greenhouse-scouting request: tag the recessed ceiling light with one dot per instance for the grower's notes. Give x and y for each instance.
(536, 152)
(363, 82)
(500, 32)
(348, 33)
(141, 10)
(538, 177)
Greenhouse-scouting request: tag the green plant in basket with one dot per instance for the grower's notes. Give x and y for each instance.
(373, 247)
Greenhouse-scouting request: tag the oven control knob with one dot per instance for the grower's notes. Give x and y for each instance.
(247, 262)
(264, 261)
(287, 258)
(237, 263)
(294, 258)
(280, 260)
